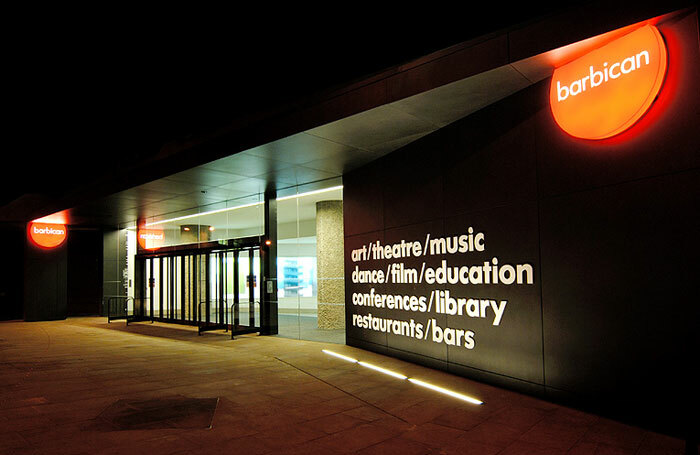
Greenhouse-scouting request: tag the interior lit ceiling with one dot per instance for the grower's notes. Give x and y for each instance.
(242, 219)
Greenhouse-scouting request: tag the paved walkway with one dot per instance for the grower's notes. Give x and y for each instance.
(61, 382)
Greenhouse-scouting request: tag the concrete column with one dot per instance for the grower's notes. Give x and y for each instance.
(330, 264)
(193, 233)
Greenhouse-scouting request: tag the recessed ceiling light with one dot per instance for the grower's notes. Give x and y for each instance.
(253, 204)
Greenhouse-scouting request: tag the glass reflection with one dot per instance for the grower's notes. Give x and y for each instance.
(179, 283)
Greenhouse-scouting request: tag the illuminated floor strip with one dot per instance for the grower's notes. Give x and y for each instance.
(418, 382)
(383, 370)
(445, 391)
(340, 356)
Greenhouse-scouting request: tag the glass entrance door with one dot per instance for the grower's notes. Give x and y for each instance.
(245, 289)
(215, 289)
(174, 287)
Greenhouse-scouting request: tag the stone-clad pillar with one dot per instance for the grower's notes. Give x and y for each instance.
(330, 264)
(193, 233)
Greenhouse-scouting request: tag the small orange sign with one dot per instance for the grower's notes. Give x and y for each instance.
(606, 91)
(151, 239)
(47, 235)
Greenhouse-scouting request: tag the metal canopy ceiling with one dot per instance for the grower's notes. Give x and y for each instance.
(315, 155)
(327, 151)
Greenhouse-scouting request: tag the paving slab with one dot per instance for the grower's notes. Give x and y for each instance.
(83, 386)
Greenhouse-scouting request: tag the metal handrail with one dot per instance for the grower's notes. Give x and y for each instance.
(107, 298)
(147, 305)
(105, 308)
(229, 315)
(199, 316)
(254, 303)
(140, 317)
(199, 313)
(113, 299)
(233, 328)
(230, 312)
(225, 315)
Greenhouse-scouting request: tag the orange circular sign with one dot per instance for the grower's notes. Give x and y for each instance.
(47, 235)
(151, 239)
(606, 91)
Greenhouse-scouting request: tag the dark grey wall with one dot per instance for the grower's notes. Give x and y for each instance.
(84, 272)
(64, 281)
(45, 282)
(610, 228)
(114, 262)
(12, 272)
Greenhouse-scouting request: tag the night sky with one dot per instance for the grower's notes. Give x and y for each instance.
(86, 94)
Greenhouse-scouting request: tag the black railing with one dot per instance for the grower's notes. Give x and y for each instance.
(237, 329)
(204, 326)
(117, 306)
(229, 317)
(134, 317)
(228, 322)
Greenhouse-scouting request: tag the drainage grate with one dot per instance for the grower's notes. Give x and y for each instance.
(166, 412)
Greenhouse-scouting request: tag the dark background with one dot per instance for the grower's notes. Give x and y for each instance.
(88, 94)
(610, 227)
(93, 96)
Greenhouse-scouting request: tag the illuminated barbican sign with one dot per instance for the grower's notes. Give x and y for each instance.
(606, 91)
(151, 239)
(47, 235)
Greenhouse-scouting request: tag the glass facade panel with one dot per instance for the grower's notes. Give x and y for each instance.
(235, 218)
(297, 269)
(176, 288)
(148, 286)
(177, 297)
(157, 284)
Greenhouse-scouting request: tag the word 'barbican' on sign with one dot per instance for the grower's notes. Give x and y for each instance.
(606, 91)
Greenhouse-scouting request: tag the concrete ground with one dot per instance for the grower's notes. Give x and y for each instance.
(82, 386)
(306, 328)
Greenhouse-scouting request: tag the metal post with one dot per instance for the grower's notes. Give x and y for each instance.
(139, 287)
(160, 288)
(268, 267)
(222, 302)
(151, 285)
(207, 284)
(195, 295)
(236, 297)
(171, 289)
(251, 288)
(183, 283)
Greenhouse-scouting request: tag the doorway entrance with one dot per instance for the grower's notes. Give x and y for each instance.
(213, 286)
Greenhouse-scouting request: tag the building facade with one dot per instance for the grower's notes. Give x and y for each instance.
(442, 213)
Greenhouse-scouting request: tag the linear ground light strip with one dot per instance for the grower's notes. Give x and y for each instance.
(445, 391)
(383, 370)
(418, 382)
(340, 356)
